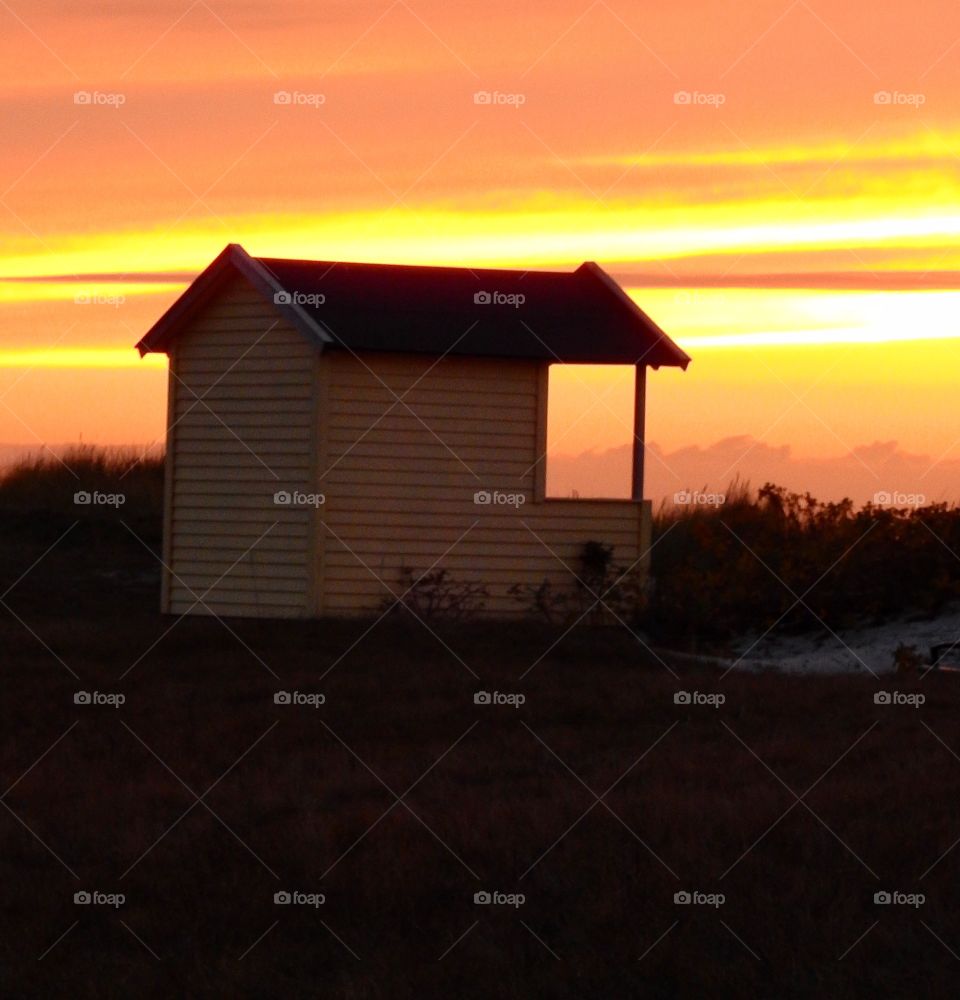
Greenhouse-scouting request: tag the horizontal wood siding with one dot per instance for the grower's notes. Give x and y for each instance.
(249, 436)
(400, 478)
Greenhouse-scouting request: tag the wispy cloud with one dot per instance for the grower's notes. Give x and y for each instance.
(860, 474)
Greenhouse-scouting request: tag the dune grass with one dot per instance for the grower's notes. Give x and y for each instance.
(722, 569)
(49, 482)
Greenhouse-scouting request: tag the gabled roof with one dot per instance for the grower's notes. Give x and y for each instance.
(581, 316)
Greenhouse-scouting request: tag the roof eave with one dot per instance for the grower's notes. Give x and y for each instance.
(208, 283)
(676, 357)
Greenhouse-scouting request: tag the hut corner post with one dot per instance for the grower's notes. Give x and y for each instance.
(639, 430)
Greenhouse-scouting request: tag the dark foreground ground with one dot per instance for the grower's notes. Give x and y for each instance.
(400, 798)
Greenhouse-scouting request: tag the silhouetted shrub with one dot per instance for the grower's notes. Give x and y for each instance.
(785, 558)
(600, 591)
(435, 595)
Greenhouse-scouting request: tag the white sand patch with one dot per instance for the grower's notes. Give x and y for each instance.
(863, 650)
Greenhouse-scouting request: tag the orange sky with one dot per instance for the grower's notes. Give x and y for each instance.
(776, 183)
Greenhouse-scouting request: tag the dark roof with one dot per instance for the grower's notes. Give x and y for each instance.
(580, 316)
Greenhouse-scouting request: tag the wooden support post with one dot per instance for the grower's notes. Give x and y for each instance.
(639, 430)
(540, 447)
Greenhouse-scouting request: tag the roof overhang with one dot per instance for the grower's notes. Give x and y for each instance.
(678, 357)
(208, 284)
(627, 319)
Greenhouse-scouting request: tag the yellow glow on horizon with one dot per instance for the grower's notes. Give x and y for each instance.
(701, 319)
(80, 357)
(734, 320)
(559, 234)
(97, 292)
(801, 338)
(918, 144)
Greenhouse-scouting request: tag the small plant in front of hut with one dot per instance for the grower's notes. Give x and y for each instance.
(600, 592)
(434, 595)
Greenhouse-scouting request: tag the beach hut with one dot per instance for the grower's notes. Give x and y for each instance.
(336, 431)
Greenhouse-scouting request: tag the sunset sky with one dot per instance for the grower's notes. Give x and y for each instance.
(775, 183)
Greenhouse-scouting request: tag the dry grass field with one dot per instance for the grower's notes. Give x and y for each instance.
(588, 806)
